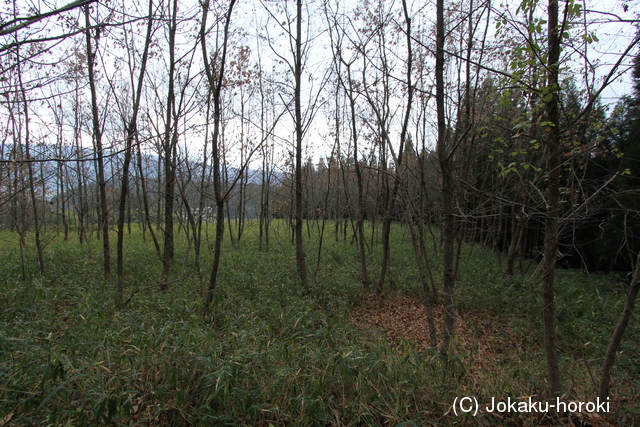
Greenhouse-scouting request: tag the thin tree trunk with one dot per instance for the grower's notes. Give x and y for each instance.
(498, 235)
(516, 236)
(32, 185)
(132, 130)
(170, 145)
(145, 198)
(366, 282)
(204, 180)
(62, 203)
(97, 137)
(215, 84)
(616, 338)
(81, 208)
(300, 255)
(420, 258)
(444, 159)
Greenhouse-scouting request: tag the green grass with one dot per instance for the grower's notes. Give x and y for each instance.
(271, 353)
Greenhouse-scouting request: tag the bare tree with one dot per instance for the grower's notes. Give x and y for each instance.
(131, 129)
(336, 32)
(103, 217)
(169, 149)
(446, 167)
(297, 74)
(215, 68)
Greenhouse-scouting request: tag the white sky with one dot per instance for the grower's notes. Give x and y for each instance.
(251, 18)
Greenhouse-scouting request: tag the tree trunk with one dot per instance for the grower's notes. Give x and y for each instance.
(97, 137)
(444, 160)
(215, 84)
(131, 129)
(170, 142)
(31, 179)
(300, 255)
(517, 230)
(145, 198)
(550, 249)
(616, 338)
(366, 282)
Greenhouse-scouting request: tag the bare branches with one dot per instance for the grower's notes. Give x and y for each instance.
(23, 22)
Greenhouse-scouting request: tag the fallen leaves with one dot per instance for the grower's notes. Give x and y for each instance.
(485, 338)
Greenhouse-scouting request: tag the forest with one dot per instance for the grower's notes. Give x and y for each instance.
(325, 212)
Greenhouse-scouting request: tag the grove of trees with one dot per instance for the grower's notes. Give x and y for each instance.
(467, 121)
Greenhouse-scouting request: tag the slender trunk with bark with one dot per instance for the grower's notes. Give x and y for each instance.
(215, 84)
(145, 198)
(31, 178)
(551, 230)
(446, 167)
(170, 141)
(300, 254)
(132, 130)
(97, 137)
(616, 338)
(366, 282)
(516, 236)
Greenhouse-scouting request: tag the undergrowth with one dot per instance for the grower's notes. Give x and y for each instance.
(272, 353)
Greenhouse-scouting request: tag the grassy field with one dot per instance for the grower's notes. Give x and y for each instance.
(272, 354)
